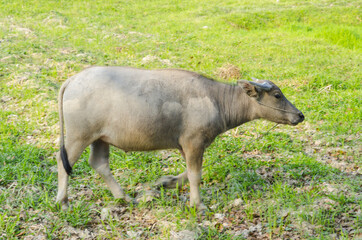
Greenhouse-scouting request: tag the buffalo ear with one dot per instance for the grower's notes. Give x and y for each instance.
(249, 88)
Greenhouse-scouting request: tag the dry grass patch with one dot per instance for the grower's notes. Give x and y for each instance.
(229, 72)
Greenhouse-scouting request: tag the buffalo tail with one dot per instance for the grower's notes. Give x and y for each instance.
(64, 157)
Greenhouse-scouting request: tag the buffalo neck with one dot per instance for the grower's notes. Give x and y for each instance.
(235, 106)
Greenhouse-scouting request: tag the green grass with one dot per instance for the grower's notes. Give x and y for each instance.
(302, 181)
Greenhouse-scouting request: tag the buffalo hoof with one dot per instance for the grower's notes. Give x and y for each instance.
(200, 208)
(125, 198)
(128, 198)
(166, 182)
(63, 206)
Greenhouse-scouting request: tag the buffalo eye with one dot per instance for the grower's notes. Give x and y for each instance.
(277, 95)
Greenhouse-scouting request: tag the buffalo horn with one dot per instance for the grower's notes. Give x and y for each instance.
(264, 86)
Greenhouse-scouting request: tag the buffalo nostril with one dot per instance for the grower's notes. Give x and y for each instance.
(301, 116)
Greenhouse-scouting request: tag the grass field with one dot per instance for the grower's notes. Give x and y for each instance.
(300, 182)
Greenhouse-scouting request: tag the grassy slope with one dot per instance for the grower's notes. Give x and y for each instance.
(303, 181)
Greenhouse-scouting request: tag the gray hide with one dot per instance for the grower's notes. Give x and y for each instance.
(142, 110)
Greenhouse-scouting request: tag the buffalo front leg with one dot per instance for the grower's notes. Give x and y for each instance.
(194, 153)
(99, 161)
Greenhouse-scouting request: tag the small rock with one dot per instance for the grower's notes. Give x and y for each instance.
(85, 234)
(213, 207)
(134, 234)
(219, 216)
(104, 213)
(238, 233)
(183, 235)
(237, 202)
(148, 196)
(166, 224)
(252, 229)
(206, 223)
(225, 225)
(6, 98)
(149, 58)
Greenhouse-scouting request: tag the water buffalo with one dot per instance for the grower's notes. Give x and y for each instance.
(142, 110)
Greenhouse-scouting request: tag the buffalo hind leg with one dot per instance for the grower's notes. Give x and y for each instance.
(99, 161)
(74, 150)
(170, 181)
